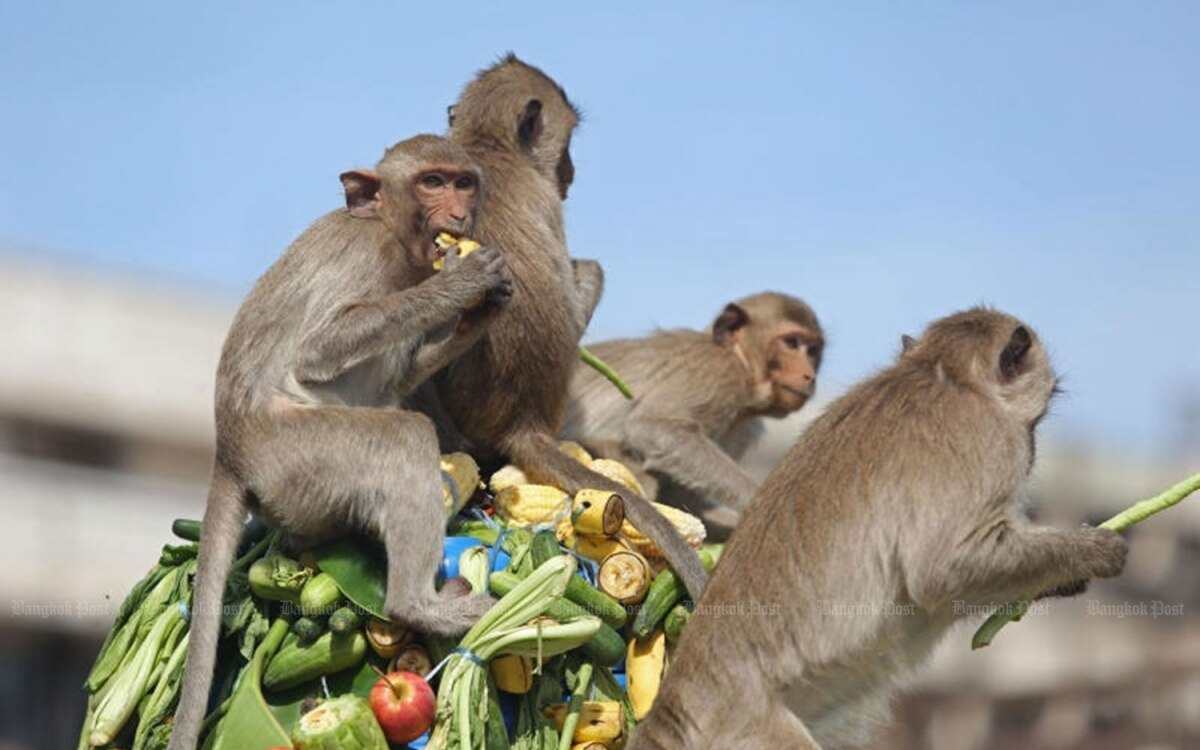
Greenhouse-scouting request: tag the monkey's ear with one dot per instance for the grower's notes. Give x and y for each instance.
(529, 126)
(728, 323)
(906, 343)
(1012, 358)
(362, 192)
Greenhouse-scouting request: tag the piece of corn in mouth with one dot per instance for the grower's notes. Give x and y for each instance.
(445, 241)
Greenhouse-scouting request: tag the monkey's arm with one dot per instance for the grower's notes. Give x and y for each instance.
(589, 285)
(681, 450)
(356, 332)
(1007, 559)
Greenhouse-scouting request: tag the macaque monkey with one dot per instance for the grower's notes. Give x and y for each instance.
(896, 514)
(693, 393)
(309, 434)
(506, 396)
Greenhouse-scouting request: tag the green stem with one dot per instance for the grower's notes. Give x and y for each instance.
(597, 364)
(577, 697)
(1135, 513)
(254, 552)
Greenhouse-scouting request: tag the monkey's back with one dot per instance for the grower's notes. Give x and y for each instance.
(519, 371)
(680, 370)
(815, 562)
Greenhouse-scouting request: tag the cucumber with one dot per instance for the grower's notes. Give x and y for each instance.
(296, 663)
(308, 629)
(186, 528)
(674, 621)
(319, 595)
(596, 602)
(665, 590)
(344, 620)
(606, 647)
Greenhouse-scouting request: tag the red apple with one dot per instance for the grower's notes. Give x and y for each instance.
(404, 706)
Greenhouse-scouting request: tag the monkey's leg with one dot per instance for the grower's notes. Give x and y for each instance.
(680, 450)
(1011, 560)
(781, 729)
(375, 469)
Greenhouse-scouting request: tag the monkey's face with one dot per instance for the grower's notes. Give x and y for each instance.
(444, 199)
(793, 358)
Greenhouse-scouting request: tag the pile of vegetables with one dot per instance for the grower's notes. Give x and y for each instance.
(570, 656)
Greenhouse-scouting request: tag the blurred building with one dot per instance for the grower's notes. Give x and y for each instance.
(106, 437)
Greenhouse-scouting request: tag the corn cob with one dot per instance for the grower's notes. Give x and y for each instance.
(460, 479)
(689, 526)
(576, 451)
(645, 664)
(506, 476)
(445, 241)
(534, 505)
(618, 472)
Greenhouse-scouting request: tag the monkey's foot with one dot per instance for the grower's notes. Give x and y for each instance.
(450, 615)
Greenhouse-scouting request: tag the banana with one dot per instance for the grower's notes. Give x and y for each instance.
(645, 664)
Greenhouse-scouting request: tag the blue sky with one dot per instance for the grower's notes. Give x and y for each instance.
(888, 162)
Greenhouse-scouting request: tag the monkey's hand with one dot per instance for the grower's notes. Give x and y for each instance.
(1108, 550)
(486, 274)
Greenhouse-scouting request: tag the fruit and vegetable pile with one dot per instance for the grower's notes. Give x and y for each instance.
(569, 657)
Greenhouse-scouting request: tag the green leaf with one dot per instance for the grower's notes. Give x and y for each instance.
(249, 724)
(359, 567)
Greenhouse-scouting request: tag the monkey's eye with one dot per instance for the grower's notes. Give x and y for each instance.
(432, 181)
(793, 342)
(465, 182)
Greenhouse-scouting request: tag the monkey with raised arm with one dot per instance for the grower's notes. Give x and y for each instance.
(507, 395)
(896, 514)
(310, 436)
(694, 392)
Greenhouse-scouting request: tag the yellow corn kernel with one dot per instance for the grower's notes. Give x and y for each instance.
(618, 472)
(690, 528)
(460, 479)
(445, 241)
(576, 451)
(506, 476)
(533, 505)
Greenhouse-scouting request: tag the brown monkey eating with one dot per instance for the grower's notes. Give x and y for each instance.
(506, 396)
(310, 436)
(896, 514)
(697, 398)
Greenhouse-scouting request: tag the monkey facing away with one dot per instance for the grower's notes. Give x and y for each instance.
(695, 391)
(898, 511)
(309, 433)
(506, 396)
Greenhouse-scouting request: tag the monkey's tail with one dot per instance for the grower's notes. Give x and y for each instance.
(539, 457)
(219, 536)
